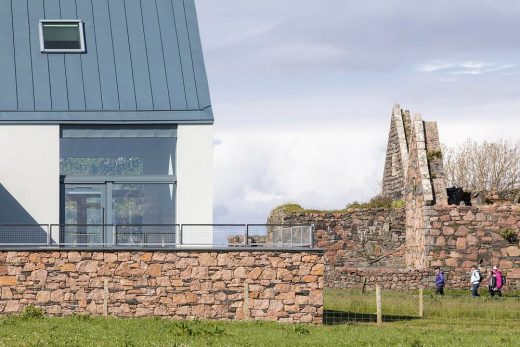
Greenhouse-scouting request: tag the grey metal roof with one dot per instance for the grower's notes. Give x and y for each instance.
(143, 63)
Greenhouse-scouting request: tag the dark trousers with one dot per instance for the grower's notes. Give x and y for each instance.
(492, 291)
(474, 290)
(439, 290)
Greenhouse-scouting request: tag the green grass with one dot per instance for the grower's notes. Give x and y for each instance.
(158, 332)
(450, 321)
(456, 304)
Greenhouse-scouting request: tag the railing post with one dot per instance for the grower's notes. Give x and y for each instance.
(49, 237)
(246, 236)
(181, 227)
(311, 239)
(379, 309)
(114, 235)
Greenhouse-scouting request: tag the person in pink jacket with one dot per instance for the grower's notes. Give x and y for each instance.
(499, 280)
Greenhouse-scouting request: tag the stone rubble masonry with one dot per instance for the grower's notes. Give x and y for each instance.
(257, 285)
(458, 237)
(396, 162)
(357, 238)
(410, 279)
(414, 143)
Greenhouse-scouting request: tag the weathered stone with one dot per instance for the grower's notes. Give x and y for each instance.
(43, 296)
(69, 267)
(88, 266)
(513, 251)
(472, 240)
(255, 273)
(154, 270)
(462, 243)
(7, 280)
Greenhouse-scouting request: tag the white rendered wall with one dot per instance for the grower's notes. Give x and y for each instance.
(195, 179)
(29, 172)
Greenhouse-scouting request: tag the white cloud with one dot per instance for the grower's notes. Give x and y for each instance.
(465, 68)
(255, 172)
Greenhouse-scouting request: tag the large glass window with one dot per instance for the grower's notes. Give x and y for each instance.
(61, 36)
(117, 156)
(143, 204)
(122, 176)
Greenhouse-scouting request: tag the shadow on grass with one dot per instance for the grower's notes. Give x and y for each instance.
(331, 317)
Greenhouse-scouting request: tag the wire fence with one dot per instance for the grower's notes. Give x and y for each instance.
(349, 305)
(158, 235)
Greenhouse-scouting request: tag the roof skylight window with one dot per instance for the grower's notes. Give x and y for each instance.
(62, 36)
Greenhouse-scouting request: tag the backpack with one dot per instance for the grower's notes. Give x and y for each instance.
(479, 276)
(493, 282)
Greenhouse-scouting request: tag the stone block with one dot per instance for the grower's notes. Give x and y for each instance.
(43, 296)
(8, 281)
(154, 270)
(513, 251)
(461, 243)
(255, 273)
(472, 240)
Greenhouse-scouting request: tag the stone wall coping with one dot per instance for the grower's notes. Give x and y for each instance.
(165, 250)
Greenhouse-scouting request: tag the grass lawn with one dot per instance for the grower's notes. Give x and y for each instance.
(450, 321)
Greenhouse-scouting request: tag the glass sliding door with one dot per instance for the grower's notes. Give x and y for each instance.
(145, 213)
(91, 211)
(84, 214)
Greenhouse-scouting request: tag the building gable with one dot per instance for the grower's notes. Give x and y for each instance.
(143, 63)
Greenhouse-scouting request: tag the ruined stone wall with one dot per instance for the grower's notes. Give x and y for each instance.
(357, 238)
(409, 279)
(459, 237)
(258, 285)
(418, 197)
(396, 161)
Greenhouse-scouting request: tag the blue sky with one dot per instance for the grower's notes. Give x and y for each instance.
(303, 90)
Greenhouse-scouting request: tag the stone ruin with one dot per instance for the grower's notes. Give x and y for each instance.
(399, 247)
(414, 154)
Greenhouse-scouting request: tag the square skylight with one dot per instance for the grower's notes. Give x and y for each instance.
(62, 36)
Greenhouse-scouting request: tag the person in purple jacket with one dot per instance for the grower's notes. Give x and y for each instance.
(439, 281)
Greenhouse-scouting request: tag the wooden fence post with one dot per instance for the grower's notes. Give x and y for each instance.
(105, 297)
(247, 310)
(421, 303)
(379, 305)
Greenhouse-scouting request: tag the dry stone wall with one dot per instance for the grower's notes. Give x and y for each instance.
(357, 238)
(409, 279)
(459, 237)
(257, 285)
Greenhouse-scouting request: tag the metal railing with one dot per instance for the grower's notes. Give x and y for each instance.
(158, 235)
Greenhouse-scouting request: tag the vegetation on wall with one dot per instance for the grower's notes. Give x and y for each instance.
(377, 202)
(374, 203)
(434, 154)
(510, 235)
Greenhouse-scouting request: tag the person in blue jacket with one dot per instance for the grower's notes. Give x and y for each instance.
(439, 281)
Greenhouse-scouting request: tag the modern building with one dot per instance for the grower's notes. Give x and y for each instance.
(105, 116)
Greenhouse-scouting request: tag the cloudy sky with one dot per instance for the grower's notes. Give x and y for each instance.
(303, 90)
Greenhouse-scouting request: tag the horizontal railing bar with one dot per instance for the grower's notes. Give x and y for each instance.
(213, 225)
(206, 236)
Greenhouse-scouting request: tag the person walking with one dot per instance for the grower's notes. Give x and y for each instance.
(492, 283)
(439, 281)
(475, 280)
(500, 280)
